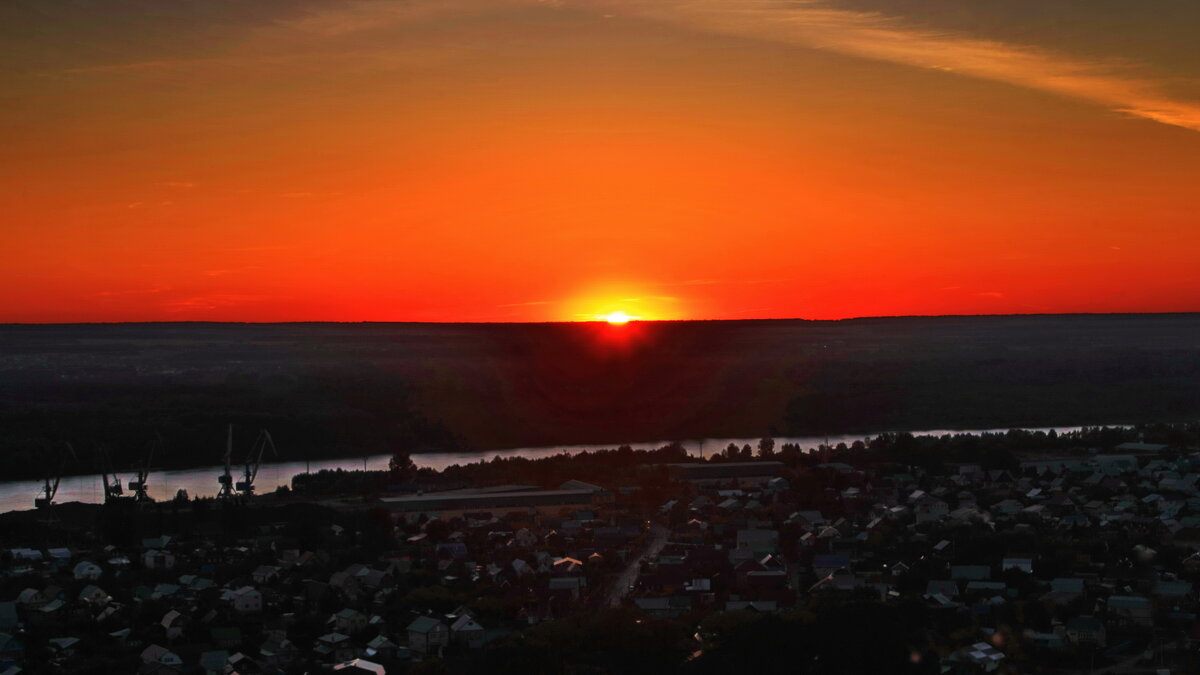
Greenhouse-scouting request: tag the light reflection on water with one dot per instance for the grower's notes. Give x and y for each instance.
(19, 495)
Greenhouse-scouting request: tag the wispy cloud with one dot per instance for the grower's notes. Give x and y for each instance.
(730, 282)
(227, 271)
(339, 19)
(324, 40)
(132, 291)
(211, 302)
(1117, 85)
(334, 37)
(142, 204)
(254, 249)
(533, 303)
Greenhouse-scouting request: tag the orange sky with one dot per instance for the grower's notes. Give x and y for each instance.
(504, 160)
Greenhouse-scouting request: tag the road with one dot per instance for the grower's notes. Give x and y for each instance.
(621, 586)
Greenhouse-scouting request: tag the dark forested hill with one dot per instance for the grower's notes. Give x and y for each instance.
(350, 389)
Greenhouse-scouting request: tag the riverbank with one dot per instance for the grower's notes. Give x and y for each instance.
(202, 481)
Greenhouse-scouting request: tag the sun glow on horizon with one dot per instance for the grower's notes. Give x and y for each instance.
(617, 318)
(620, 302)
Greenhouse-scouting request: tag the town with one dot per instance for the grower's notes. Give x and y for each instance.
(882, 555)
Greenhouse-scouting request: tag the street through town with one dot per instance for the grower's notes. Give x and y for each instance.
(622, 585)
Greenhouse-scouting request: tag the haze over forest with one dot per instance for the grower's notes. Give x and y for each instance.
(330, 390)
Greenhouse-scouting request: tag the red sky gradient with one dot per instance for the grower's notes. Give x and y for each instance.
(524, 161)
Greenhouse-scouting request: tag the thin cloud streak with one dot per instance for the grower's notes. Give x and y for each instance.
(212, 302)
(811, 24)
(1116, 84)
(534, 303)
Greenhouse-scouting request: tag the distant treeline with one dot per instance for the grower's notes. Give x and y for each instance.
(993, 450)
(619, 466)
(1090, 370)
(323, 415)
(343, 390)
(1003, 450)
(624, 466)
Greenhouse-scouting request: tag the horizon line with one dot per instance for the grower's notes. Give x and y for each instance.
(590, 321)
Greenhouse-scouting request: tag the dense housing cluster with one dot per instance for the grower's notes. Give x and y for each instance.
(1080, 560)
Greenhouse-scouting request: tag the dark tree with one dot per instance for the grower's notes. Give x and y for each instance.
(401, 465)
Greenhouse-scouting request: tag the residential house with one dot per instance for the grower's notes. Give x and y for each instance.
(265, 574)
(349, 621)
(466, 632)
(245, 600)
(87, 571)
(94, 595)
(1086, 631)
(360, 667)
(427, 635)
(335, 647)
(380, 647)
(172, 624)
(161, 659)
(1130, 610)
(158, 560)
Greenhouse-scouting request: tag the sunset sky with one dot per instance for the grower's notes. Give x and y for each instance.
(513, 160)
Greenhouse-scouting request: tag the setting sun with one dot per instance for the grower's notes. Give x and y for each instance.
(620, 302)
(617, 317)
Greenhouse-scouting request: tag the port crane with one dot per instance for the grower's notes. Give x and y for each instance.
(245, 486)
(226, 478)
(254, 460)
(112, 482)
(140, 486)
(52, 480)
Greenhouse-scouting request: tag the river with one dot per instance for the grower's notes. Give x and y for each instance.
(19, 495)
